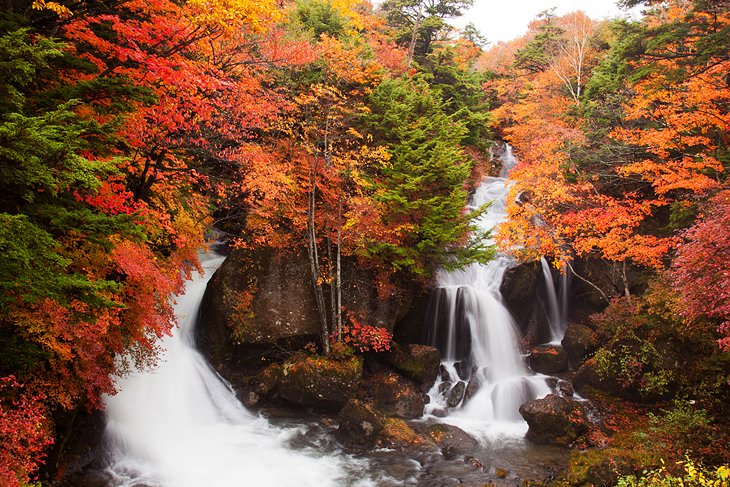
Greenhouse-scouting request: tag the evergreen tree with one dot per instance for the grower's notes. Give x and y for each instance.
(425, 183)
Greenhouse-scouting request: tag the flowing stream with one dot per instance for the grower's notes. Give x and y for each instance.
(478, 339)
(181, 425)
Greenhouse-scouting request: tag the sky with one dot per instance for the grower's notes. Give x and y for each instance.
(504, 20)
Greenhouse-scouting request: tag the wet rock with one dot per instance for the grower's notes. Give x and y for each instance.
(554, 420)
(456, 394)
(444, 387)
(314, 381)
(579, 341)
(261, 386)
(552, 382)
(418, 362)
(446, 317)
(393, 394)
(462, 370)
(548, 359)
(439, 413)
(397, 434)
(474, 462)
(444, 374)
(519, 286)
(89, 479)
(359, 423)
(452, 441)
(566, 388)
(471, 388)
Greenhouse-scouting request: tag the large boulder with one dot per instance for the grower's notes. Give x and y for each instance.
(554, 420)
(254, 301)
(398, 435)
(359, 423)
(579, 341)
(519, 290)
(452, 441)
(548, 359)
(314, 381)
(394, 395)
(456, 394)
(589, 376)
(262, 300)
(419, 362)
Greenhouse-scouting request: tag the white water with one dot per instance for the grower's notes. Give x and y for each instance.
(181, 425)
(557, 308)
(471, 325)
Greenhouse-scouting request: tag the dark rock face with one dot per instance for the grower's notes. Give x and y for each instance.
(439, 315)
(261, 386)
(579, 341)
(566, 388)
(393, 394)
(264, 298)
(418, 362)
(456, 394)
(471, 389)
(548, 359)
(462, 370)
(519, 288)
(554, 420)
(280, 307)
(313, 381)
(359, 423)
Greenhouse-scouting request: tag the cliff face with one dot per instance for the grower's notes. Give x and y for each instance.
(263, 299)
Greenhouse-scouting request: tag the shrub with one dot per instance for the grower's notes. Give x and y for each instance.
(689, 474)
(366, 338)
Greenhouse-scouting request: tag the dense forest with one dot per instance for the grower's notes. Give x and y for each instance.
(340, 131)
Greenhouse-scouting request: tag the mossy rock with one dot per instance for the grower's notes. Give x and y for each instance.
(604, 467)
(418, 362)
(548, 359)
(451, 440)
(393, 394)
(578, 342)
(554, 420)
(397, 434)
(360, 423)
(314, 381)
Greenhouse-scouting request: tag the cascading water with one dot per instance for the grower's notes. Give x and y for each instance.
(478, 339)
(181, 425)
(557, 310)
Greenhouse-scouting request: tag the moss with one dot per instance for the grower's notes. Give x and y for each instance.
(604, 467)
(397, 432)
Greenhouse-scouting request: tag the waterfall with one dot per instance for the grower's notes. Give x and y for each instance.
(557, 310)
(181, 425)
(477, 337)
(557, 303)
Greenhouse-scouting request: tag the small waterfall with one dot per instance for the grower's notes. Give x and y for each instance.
(477, 338)
(180, 425)
(557, 310)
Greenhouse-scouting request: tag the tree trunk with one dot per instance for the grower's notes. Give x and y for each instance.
(338, 281)
(314, 262)
(625, 280)
(414, 36)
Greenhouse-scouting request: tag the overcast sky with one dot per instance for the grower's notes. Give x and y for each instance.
(504, 20)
